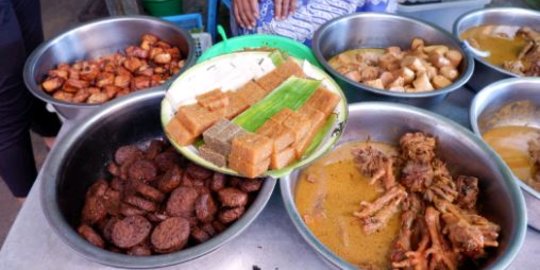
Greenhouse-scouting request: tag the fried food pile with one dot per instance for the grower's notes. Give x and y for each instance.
(528, 60)
(157, 202)
(418, 69)
(440, 223)
(96, 81)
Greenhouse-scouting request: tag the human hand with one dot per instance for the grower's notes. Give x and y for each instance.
(283, 8)
(246, 12)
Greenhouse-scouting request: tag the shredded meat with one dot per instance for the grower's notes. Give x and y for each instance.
(467, 187)
(375, 164)
(375, 215)
(417, 147)
(443, 185)
(416, 176)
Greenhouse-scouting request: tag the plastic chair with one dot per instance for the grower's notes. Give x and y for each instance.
(213, 9)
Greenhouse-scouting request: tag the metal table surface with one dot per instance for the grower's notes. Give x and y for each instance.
(271, 242)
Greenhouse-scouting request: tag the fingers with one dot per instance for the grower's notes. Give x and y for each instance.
(243, 14)
(237, 14)
(254, 4)
(292, 6)
(285, 9)
(278, 5)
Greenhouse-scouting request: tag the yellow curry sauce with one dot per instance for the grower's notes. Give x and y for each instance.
(501, 49)
(328, 193)
(511, 143)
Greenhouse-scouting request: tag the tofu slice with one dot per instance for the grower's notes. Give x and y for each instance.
(281, 73)
(179, 132)
(236, 106)
(247, 169)
(251, 92)
(250, 147)
(197, 118)
(209, 154)
(324, 100)
(213, 100)
(282, 159)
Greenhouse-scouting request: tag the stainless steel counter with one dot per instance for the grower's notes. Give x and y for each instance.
(271, 242)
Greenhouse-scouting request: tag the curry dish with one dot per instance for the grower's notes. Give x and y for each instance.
(383, 207)
(514, 48)
(519, 147)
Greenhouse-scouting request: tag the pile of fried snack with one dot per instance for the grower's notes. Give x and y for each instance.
(156, 202)
(96, 81)
(440, 223)
(419, 69)
(281, 140)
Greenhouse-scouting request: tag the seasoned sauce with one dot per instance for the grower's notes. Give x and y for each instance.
(328, 193)
(501, 49)
(511, 143)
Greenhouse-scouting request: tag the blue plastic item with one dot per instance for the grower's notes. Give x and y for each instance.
(213, 9)
(188, 22)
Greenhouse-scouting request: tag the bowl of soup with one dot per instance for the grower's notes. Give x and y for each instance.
(506, 114)
(505, 43)
(391, 193)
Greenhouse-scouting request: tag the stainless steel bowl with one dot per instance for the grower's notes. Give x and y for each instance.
(92, 40)
(500, 195)
(484, 72)
(78, 160)
(379, 30)
(522, 94)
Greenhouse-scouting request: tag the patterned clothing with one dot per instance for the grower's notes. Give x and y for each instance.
(309, 15)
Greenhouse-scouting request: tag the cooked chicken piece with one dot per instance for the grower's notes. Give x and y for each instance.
(440, 81)
(63, 96)
(469, 233)
(74, 74)
(97, 98)
(122, 81)
(375, 164)
(104, 78)
(140, 82)
(407, 238)
(449, 72)
(154, 51)
(417, 146)
(389, 62)
(162, 58)
(132, 64)
(467, 187)
(111, 91)
(174, 52)
(417, 43)
(72, 85)
(52, 84)
(375, 215)
(439, 49)
(148, 41)
(145, 71)
(370, 58)
(439, 60)
(89, 72)
(422, 83)
(398, 82)
(416, 176)
(61, 73)
(414, 63)
(353, 75)
(442, 186)
(162, 44)
(369, 73)
(387, 78)
(431, 71)
(455, 57)
(134, 51)
(407, 74)
(395, 51)
(377, 83)
(81, 96)
(440, 254)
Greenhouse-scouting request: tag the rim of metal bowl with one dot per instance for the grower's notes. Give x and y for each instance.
(475, 111)
(463, 78)
(475, 12)
(516, 241)
(35, 89)
(52, 212)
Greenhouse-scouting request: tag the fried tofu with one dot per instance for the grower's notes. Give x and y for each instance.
(237, 105)
(209, 154)
(251, 148)
(281, 73)
(316, 117)
(299, 124)
(197, 118)
(281, 136)
(251, 93)
(247, 169)
(213, 100)
(323, 100)
(282, 115)
(283, 158)
(179, 132)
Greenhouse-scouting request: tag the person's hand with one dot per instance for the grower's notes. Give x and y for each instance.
(246, 12)
(283, 8)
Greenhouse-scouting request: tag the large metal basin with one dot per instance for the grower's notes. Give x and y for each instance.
(94, 39)
(484, 72)
(465, 153)
(379, 30)
(79, 159)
